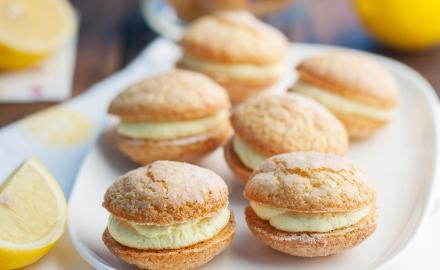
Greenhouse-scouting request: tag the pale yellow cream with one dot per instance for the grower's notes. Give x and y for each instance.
(285, 220)
(167, 237)
(341, 104)
(246, 154)
(239, 71)
(171, 130)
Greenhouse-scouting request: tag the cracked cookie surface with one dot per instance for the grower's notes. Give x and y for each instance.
(166, 192)
(310, 183)
(276, 124)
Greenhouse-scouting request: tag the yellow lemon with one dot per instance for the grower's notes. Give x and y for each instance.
(402, 24)
(32, 215)
(32, 29)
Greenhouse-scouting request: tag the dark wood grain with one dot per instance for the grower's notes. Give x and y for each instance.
(113, 32)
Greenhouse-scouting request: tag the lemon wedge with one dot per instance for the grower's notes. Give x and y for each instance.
(31, 30)
(32, 215)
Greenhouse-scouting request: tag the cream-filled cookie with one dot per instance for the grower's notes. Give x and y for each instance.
(168, 215)
(268, 125)
(355, 87)
(310, 204)
(179, 115)
(240, 52)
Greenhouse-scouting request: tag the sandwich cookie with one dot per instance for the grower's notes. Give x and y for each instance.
(355, 87)
(180, 115)
(243, 54)
(310, 204)
(168, 215)
(268, 125)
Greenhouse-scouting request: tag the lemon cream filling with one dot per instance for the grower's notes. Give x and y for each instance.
(171, 130)
(285, 220)
(167, 237)
(246, 71)
(246, 154)
(340, 104)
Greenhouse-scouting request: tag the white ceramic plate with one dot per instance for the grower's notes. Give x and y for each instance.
(401, 161)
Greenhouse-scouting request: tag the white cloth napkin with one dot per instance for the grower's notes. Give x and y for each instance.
(60, 136)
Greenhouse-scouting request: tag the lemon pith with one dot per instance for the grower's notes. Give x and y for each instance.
(32, 213)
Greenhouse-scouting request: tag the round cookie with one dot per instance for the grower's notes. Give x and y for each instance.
(310, 204)
(145, 202)
(245, 55)
(268, 125)
(354, 86)
(179, 115)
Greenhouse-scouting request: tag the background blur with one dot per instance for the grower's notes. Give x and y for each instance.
(113, 32)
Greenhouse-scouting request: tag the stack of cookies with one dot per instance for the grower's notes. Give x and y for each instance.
(180, 115)
(353, 86)
(243, 54)
(168, 215)
(305, 197)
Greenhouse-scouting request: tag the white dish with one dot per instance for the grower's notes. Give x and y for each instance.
(401, 161)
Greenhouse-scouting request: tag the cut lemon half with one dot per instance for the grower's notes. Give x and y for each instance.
(32, 215)
(31, 30)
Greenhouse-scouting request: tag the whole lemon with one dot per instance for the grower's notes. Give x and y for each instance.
(402, 24)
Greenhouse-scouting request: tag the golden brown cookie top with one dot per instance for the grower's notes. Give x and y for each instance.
(175, 95)
(353, 75)
(166, 192)
(275, 124)
(234, 37)
(310, 182)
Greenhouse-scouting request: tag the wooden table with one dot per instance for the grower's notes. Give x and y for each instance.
(112, 32)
